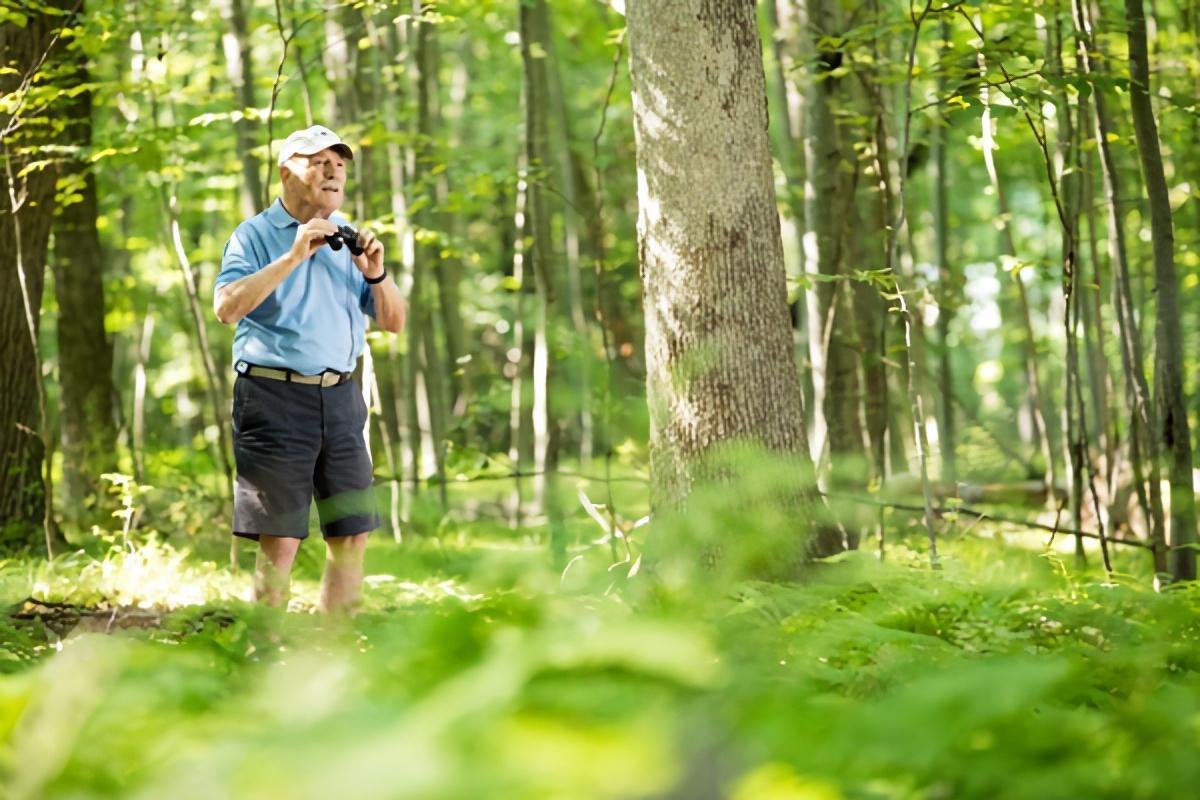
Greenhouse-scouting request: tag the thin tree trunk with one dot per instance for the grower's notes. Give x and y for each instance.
(216, 383)
(947, 287)
(1172, 434)
(1067, 147)
(899, 224)
(138, 436)
(825, 182)
(423, 345)
(535, 47)
(1037, 406)
(239, 69)
(391, 94)
(786, 45)
(514, 357)
(582, 362)
(1137, 393)
(1099, 376)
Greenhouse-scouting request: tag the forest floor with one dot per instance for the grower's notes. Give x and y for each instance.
(474, 670)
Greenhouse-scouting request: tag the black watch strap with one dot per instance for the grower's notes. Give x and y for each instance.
(374, 281)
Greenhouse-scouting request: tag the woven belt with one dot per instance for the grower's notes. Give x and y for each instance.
(326, 379)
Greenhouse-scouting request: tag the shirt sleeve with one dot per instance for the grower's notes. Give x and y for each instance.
(238, 260)
(366, 300)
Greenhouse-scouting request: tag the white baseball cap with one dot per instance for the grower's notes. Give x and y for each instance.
(312, 140)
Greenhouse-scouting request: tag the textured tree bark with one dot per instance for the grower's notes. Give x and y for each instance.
(89, 436)
(28, 210)
(1168, 346)
(718, 334)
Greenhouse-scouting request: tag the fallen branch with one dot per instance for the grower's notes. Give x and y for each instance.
(971, 512)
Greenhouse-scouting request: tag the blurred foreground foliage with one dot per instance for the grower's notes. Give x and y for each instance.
(476, 671)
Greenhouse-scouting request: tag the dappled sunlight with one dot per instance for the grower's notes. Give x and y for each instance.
(150, 575)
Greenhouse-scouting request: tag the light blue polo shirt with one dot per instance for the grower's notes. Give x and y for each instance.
(314, 320)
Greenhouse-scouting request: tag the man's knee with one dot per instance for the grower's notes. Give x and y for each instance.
(340, 546)
(280, 550)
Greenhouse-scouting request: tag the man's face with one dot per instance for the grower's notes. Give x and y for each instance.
(318, 180)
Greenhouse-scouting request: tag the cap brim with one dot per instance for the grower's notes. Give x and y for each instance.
(341, 147)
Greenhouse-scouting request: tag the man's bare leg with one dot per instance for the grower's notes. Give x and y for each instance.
(341, 583)
(273, 570)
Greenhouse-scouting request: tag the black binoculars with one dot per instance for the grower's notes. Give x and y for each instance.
(347, 236)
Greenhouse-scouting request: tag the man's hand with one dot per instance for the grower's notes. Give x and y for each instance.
(370, 263)
(310, 237)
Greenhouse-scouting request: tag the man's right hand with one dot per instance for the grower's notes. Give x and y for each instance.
(310, 237)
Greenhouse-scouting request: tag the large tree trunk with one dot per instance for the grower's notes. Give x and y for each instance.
(1168, 346)
(25, 219)
(89, 436)
(718, 335)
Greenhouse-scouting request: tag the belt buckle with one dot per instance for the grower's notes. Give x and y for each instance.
(330, 379)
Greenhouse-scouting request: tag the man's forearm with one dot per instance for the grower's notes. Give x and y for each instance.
(237, 299)
(390, 306)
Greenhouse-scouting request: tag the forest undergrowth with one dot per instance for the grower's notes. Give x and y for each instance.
(475, 670)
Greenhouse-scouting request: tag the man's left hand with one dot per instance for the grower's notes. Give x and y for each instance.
(370, 263)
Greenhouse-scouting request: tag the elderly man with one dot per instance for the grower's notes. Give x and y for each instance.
(298, 417)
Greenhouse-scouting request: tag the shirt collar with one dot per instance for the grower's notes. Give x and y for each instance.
(279, 216)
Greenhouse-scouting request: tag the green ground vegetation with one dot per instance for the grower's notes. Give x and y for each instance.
(475, 669)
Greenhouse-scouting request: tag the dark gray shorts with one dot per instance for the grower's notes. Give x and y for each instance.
(291, 439)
